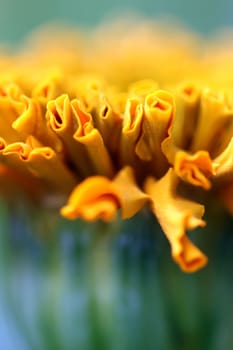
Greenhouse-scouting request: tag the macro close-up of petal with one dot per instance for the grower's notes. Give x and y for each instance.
(94, 143)
(116, 179)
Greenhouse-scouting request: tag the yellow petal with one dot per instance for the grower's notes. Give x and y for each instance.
(182, 126)
(31, 121)
(14, 154)
(11, 158)
(43, 163)
(130, 131)
(63, 123)
(118, 101)
(97, 197)
(142, 88)
(108, 122)
(59, 115)
(187, 98)
(47, 89)
(91, 138)
(10, 90)
(176, 215)
(159, 110)
(194, 168)
(215, 113)
(131, 198)
(10, 107)
(94, 198)
(88, 90)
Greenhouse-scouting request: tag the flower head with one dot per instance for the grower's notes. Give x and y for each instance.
(119, 125)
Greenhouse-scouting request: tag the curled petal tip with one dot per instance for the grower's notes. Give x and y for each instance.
(176, 215)
(94, 198)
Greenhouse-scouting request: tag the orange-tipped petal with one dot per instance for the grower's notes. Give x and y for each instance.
(159, 111)
(108, 122)
(132, 199)
(91, 139)
(176, 215)
(30, 121)
(131, 129)
(194, 168)
(94, 198)
(99, 198)
(64, 124)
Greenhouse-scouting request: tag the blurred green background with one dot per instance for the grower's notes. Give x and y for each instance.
(18, 17)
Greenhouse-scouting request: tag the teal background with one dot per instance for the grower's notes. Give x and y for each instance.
(18, 17)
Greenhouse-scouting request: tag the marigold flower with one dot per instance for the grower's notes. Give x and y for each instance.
(131, 123)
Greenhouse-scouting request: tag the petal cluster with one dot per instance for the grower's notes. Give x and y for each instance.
(115, 126)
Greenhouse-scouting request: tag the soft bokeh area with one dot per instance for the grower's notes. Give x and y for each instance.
(17, 18)
(133, 259)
